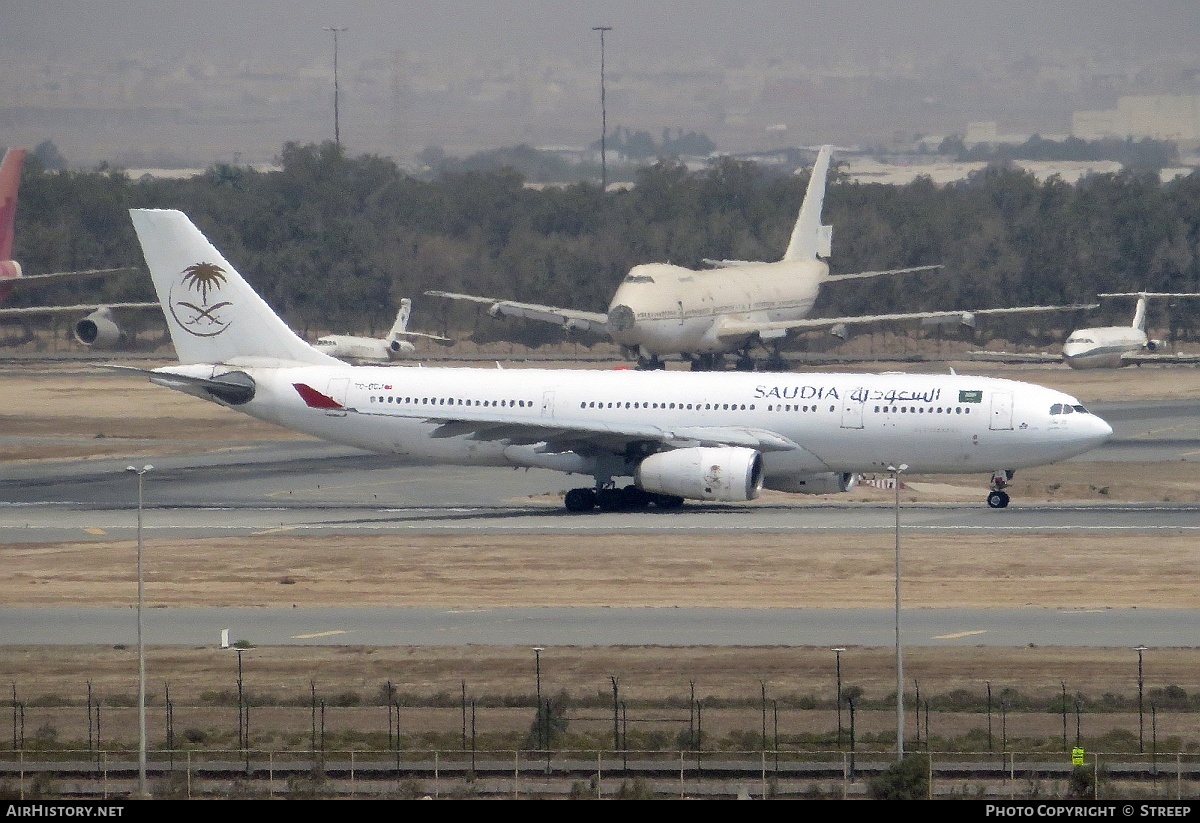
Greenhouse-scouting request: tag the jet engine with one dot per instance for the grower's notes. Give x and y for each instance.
(816, 483)
(726, 474)
(401, 348)
(98, 329)
(1155, 345)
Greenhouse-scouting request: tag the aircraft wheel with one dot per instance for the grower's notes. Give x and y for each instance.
(634, 498)
(610, 500)
(580, 500)
(997, 499)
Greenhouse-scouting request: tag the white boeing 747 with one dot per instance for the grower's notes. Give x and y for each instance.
(661, 309)
(711, 436)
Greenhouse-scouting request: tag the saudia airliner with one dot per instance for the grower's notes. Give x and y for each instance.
(644, 438)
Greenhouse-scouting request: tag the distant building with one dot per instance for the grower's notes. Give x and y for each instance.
(1159, 117)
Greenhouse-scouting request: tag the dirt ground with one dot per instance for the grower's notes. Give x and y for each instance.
(65, 412)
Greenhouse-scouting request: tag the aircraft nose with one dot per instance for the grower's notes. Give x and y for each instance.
(1099, 430)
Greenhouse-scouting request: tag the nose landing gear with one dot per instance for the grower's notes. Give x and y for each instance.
(998, 498)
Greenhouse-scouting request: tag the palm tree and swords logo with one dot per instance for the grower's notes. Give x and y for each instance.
(201, 319)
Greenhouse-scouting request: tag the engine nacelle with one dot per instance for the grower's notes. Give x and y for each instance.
(728, 474)
(98, 329)
(1155, 345)
(816, 483)
(400, 348)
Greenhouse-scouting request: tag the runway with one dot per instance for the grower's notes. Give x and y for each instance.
(318, 489)
(1159, 628)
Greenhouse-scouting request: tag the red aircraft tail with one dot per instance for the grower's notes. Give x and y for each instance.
(10, 180)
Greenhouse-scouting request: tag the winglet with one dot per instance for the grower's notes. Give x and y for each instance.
(315, 399)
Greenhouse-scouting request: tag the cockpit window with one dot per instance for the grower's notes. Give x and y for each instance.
(1068, 408)
(638, 278)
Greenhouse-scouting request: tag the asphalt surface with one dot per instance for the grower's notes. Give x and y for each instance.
(322, 489)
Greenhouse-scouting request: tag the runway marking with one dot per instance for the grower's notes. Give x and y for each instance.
(958, 635)
(318, 634)
(94, 530)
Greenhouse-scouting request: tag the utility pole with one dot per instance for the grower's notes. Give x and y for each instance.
(337, 133)
(603, 112)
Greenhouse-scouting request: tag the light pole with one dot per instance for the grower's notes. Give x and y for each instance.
(895, 472)
(603, 112)
(141, 475)
(1141, 738)
(838, 651)
(337, 135)
(537, 662)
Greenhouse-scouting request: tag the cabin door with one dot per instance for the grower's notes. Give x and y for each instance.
(337, 390)
(1002, 411)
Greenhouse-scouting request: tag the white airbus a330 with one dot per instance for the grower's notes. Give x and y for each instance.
(712, 436)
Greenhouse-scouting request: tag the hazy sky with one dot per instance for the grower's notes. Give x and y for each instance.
(255, 72)
(640, 27)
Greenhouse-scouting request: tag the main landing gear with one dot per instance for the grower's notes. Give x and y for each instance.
(612, 499)
(998, 498)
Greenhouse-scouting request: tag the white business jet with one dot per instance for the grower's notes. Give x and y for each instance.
(1107, 347)
(397, 345)
(664, 310)
(1111, 347)
(710, 436)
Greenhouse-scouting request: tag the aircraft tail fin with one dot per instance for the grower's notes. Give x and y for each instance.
(809, 238)
(213, 315)
(10, 180)
(1139, 314)
(401, 324)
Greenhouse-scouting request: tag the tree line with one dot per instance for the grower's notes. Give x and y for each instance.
(334, 241)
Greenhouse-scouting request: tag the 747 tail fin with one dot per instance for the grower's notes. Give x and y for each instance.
(809, 237)
(213, 315)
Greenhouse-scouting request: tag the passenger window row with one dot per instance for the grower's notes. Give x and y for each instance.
(923, 410)
(590, 404)
(449, 401)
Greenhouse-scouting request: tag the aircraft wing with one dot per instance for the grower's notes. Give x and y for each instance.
(27, 278)
(858, 275)
(733, 329)
(33, 311)
(1014, 357)
(572, 319)
(1134, 358)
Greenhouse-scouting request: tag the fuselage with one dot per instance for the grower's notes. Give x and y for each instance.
(363, 349)
(839, 422)
(1102, 348)
(665, 309)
